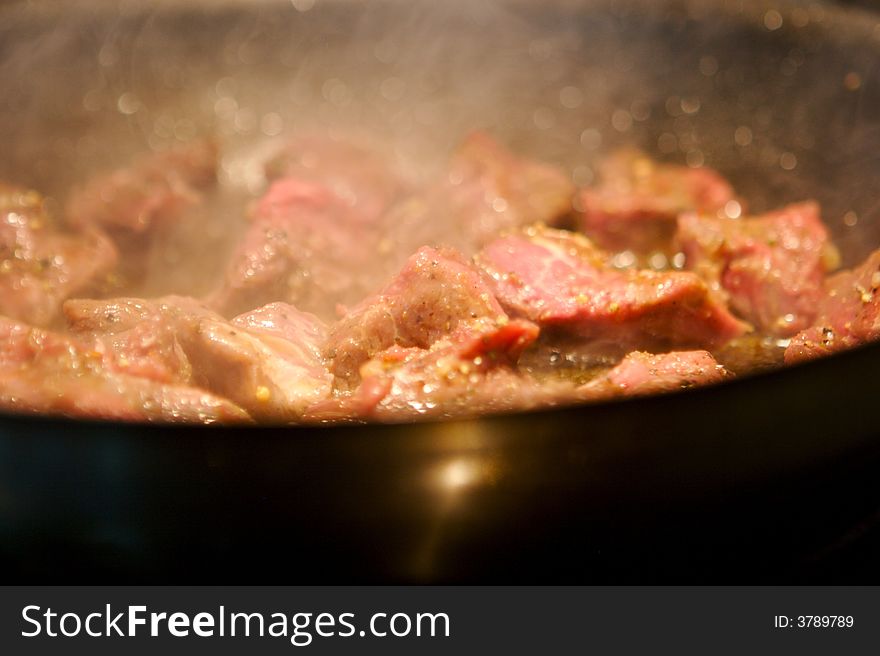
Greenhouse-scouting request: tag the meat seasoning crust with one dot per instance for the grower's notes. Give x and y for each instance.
(357, 293)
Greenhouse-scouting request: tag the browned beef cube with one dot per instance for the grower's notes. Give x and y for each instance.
(50, 373)
(645, 373)
(769, 267)
(435, 294)
(357, 173)
(41, 264)
(459, 374)
(268, 362)
(315, 238)
(848, 313)
(155, 189)
(560, 281)
(485, 190)
(144, 337)
(637, 200)
(306, 245)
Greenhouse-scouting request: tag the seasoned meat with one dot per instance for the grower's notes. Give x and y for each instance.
(358, 174)
(269, 361)
(144, 337)
(284, 321)
(485, 189)
(848, 313)
(154, 189)
(49, 373)
(435, 294)
(463, 373)
(636, 202)
(42, 264)
(315, 237)
(562, 282)
(770, 267)
(356, 295)
(305, 245)
(644, 373)
(141, 207)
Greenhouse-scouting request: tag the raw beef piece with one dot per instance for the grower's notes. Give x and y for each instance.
(435, 294)
(458, 375)
(645, 373)
(486, 189)
(637, 200)
(770, 267)
(562, 282)
(49, 373)
(155, 189)
(848, 313)
(268, 362)
(40, 264)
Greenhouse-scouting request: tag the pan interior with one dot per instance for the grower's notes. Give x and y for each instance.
(783, 101)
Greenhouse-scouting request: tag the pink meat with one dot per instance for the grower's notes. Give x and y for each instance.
(435, 294)
(143, 337)
(155, 189)
(326, 234)
(644, 373)
(41, 264)
(637, 200)
(357, 173)
(485, 189)
(562, 282)
(284, 321)
(48, 373)
(848, 314)
(315, 238)
(770, 267)
(269, 362)
(460, 374)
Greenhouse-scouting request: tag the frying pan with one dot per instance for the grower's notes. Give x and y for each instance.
(750, 481)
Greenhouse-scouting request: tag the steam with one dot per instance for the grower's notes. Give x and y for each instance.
(560, 81)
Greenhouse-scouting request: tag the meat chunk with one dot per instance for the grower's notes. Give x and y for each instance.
(269, 362)
(357, 173)
(848, 314)
(153, 190)
(458, 375)
(770, 267)
(305, 245)
(637, 200)
(315, 236)
(41, 264)
(644, 373)
(324, 237)
(144, 338)
(49, 373)
(500, 190)
(563, 283)
(284, 321)
(486, 189)
(435, 294)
